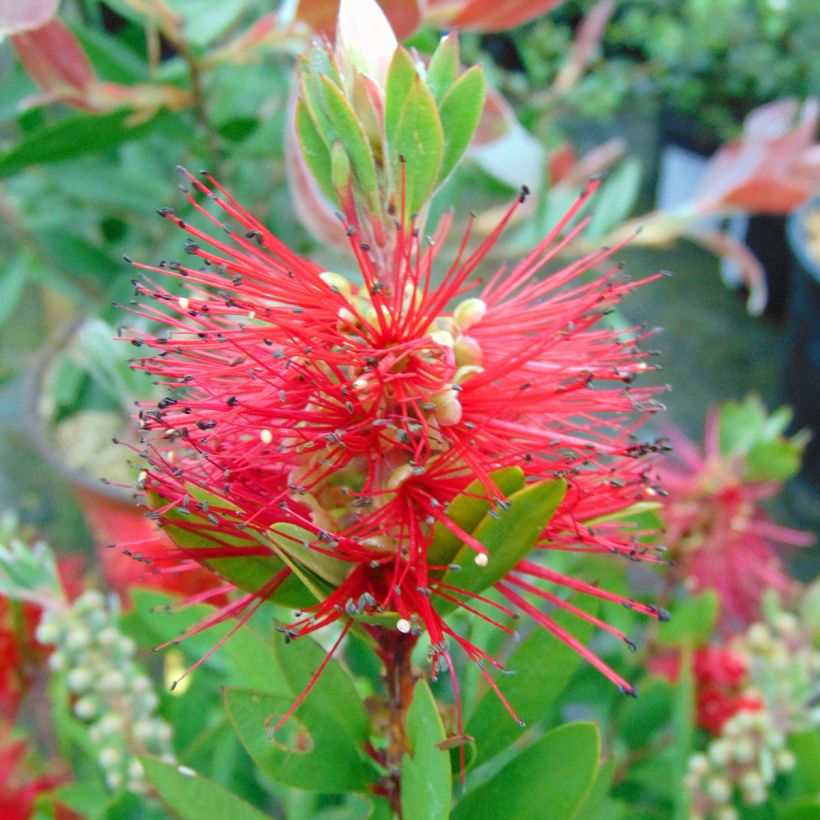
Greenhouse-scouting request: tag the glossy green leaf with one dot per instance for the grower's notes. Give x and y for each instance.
(71, 137)
(508, 536)
(460, 112)
(594, 805)
(467, 510)
(442, 71)
(314, 149)
(246, 658)
(400, 77)
(250, 572)
(311, 751)
(544, 665)
(693, 620)
(615, 199)
(295, 542)
(191, 797)
(550, 779)
(350, 133)
(425, 774)
(333, 692)
(419, 140)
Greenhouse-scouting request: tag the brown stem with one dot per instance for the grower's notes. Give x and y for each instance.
(395, 649)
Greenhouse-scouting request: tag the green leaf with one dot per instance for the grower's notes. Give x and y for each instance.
(460, 112)
(425, 775)
(419, 140)
(594, 805)
(311, 751)
(740, 425)
(205, 20)
(466, 511)
(400, 77)
(641, 717)
(333, 693)
(807, 808)
(549, 779)
(615, 199)
(683, 723)
(508, 536)
(806, 774)
(442, 71)
(246, 658)
(545, 665)
(693, 620)
(314, 149)
(350, 133)
(192, 797)
(71, 137)
(295, 542)
(13, 283)
(773, 460)
(195, 532)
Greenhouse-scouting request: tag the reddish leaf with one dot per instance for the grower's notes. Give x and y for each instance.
(55, 60)
(499, 15)
(775, 165)
(320, 15)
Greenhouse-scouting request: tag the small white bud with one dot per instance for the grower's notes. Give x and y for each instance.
(184, 302)
(403, 625)
(482, 559)
(266, 436)
(718, 789)
(79, 679)
(109, 757)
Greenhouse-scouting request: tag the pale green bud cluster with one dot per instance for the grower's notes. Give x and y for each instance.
(113, 696)
(784, 665)
(744, 760)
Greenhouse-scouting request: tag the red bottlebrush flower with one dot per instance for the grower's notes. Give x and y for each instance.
(20, 789)
(20, 652)
(720, 676)
(322, 428)
(717, 533)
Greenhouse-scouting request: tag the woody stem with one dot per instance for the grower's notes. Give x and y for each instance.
(395, 650)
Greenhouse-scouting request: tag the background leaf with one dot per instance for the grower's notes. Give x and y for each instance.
(549, 779)
(192, 797)
(312, 751)
(425, 776)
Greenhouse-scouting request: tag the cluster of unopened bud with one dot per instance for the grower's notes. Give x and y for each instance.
(744, 760)
(111, 694)
(784, 664)
(448, 335)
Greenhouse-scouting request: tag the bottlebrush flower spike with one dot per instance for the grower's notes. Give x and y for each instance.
(717, 533)
(386, 453)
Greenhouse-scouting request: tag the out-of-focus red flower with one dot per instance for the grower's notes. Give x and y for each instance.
(20, 652)
(19, 787)
(719, 677)
(406, 16)
(772, 168)
(717, 531)
(118, 520)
